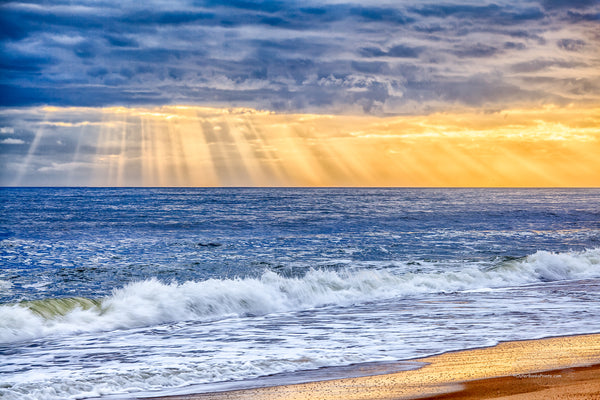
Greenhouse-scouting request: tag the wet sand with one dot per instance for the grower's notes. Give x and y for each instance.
(556, 368)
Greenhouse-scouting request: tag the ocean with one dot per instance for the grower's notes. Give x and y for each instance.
(119, 293)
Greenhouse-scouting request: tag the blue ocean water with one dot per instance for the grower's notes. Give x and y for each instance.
(126, 292)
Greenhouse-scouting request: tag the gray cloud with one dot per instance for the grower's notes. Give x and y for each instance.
(542, 64)
(577, 16)
(399, 51)
(569, 3)
(571, 44)
(475, 51)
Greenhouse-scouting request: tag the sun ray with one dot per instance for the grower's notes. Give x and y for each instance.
(39, 134)
(145, 153)
(201, 146)
(179, 158)
(157, 150)
(197, 151)
(267, 152)
(246, 148)
(101, 162)
(123, 155)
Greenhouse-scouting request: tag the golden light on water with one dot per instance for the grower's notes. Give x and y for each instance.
(200, 146)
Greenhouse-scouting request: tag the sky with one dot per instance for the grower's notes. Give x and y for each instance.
(300, 93)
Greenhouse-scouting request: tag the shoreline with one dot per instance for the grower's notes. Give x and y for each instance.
(555, 367)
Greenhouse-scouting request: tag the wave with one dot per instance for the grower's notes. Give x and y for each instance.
(5, 285)
(152, 302)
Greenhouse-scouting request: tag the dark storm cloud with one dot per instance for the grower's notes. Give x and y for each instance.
(67, 96)
(121, 41)
(476, 50)
(514, 46)
(11, 28)
(542, 64)
(23, 63)
(399, 51)
(571, 44)
(569, 3)
(373, 56)
(481, 89)
(574, 16)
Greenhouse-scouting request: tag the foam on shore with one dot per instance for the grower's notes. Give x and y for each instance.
(445, 373)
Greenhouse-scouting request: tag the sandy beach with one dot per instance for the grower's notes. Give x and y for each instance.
(554, 368)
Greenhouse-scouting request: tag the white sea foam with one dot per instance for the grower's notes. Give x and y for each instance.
(152, 302)
(5, 285)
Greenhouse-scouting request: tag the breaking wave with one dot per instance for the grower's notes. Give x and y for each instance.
(152, 302)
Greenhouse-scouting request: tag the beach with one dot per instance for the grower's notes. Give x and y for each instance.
(299, 200)
(554, 368)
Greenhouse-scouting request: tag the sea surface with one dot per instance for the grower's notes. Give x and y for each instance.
(124, 292)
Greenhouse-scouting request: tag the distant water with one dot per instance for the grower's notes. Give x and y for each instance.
(127, 292)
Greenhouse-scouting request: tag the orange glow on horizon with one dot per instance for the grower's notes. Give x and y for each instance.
(202, 146)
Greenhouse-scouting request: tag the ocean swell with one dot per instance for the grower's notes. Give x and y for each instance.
(152, 302)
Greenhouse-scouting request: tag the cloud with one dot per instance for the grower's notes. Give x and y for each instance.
(550, 4)
(571, 44)
(121, 41)
(12, 141)
(514, 46)
(399, 51)
(15, 63)
(65, 167)
(275, 54)
(475, 51)
(7, 129)
(576, 16)
(543, 64)
(510, 14)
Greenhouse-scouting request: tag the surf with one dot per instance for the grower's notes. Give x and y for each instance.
(151, 302)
